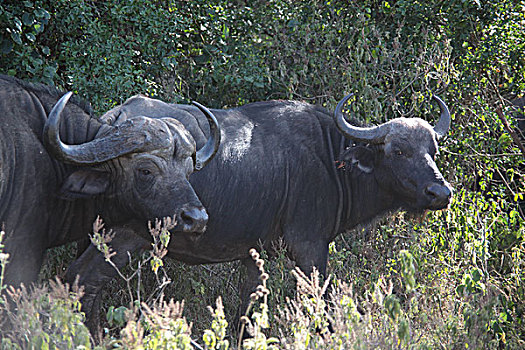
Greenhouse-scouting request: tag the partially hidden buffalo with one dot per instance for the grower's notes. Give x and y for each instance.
(275, 178)
(60, 168)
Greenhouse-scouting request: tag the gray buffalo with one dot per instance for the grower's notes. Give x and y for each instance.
(276, 177)
(60, 168)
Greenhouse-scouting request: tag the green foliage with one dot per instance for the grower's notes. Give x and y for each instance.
(22, 24)
(160, 327)
(111, 50)
(408, 270)
(116, 316)
(43, 318)
(215, 338)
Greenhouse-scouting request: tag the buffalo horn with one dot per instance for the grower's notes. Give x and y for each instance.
(95, 151)
(375, 134)
(206, 153)
(442, 126)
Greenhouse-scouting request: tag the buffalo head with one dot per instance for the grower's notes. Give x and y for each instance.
(140, 168)
(401, 155)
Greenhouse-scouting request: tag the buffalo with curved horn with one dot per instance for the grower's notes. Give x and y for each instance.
(378, 133)
(413, 142)
(275, 178)
(60, 168)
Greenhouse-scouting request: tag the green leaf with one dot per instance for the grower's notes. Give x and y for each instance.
(27, 19)
(476, 274)
(6, 46)
(41, 13)
(38, 28)
(16, 38)
(18, 24)
(504, 140)
(109, 315)
(31, 37)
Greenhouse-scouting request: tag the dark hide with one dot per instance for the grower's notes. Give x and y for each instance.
(275, 177)
(45, 202)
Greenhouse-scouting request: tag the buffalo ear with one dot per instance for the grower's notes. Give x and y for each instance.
(84, 183)
(360, 156)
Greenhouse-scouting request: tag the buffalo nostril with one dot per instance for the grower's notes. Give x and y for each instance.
(194, 219)
(438, 193)
(430, 192)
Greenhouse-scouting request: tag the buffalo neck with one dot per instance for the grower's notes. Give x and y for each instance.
(363, 198)
(76, 217)
(71, 219)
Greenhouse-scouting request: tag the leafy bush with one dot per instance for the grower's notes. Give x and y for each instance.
(22, 24)
(43, 318)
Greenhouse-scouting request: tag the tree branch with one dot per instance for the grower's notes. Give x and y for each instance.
(511, 132)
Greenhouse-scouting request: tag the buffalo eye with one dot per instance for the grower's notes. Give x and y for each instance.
(145, 173)
(145, 178)
(398, 152)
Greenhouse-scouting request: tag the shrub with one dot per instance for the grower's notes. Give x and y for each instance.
(43, 318)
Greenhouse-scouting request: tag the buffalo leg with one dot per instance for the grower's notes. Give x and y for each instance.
(25, 260)
(315, 255)
(309, 255)
(94, 272)
(82, 245)
(247, 287)
(249, 284)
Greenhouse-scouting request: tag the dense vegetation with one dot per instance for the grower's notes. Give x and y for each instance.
(452, 280)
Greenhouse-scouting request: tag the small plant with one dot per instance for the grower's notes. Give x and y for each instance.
(214, 338)
(44, 318)
(160, 327)
(408, 270)
(41, 317)
(259, 318)
(4, 259)
(160, 234)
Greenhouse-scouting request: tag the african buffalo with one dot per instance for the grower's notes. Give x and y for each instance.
(60, 168)
(275, 177)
